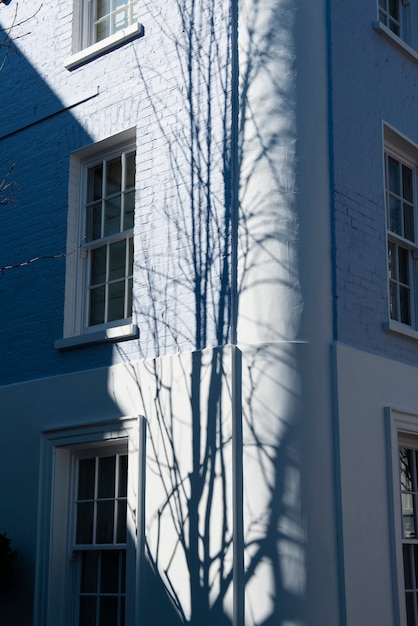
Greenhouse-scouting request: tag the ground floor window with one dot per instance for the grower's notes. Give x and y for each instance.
(90, 544)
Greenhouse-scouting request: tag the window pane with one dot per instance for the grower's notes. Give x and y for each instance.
(112, 216)
(407, 183)
(393, 174)
(108, 612)
(94, 222)
(117, 260)
(87, 611)
(405, 305)
(98, 266)
(130, 171)
(116, 310)
(109, 571)
(408, 216)
(113, 176)
(392, 265)
(120, 20)
(84, 534)
(393, 303)
(97, 306)
(394, 9)
(104, 525)
(86, 471)
(94, 183)
(103, 8)
(102, 30)
(106, 482)
(403, 265)
(121, 521)
(129, 205)
(410, 611)
(89, 570)
(395, 215)
(129, 308)
(123, 475)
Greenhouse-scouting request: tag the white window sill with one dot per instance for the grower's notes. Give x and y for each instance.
(115, 333)
(397, 41)
(401, 329)
(101, 47)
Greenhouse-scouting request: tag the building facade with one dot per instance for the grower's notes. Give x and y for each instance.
(208, 312)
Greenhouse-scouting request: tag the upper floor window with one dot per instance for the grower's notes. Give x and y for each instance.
(100, 242)
(399, 17)
(100, 26)
(108, 238)
(107, 17)
(400, 215)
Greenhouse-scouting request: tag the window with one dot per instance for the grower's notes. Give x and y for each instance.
(398, 17)
(108, 237)
(100, 26)
(99, 276)
(400, 199)
(91, 525)
(99, 541)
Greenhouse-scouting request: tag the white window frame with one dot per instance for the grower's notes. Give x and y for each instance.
(55, 601)
(404, 28)
(85, 48)
(76, 329)
(402, 150)
(402, 431)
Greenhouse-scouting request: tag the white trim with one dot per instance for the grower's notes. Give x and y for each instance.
(117, 333)
(52, 602)
(400, 329)
(380, 28)
(399, 423)
(75, 331)
(106, 45)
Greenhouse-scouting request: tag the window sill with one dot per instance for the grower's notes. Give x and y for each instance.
(401, 329)
(397, 41)
(116, 333)
(101, 47)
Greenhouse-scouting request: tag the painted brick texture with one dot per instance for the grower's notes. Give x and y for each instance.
(181, 115)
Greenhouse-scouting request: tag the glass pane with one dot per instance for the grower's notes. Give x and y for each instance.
(121, 521)
(395, 215)
(403, 265)
(130, 170)
(102, 30)
(414, 551)
(406, 465)
(123, 572)
(89, 570)
(407, 565)
(131, 257)
(108, 615)
(84, 534)
(104, 522)
(394, 9)
(392, 265)
(87, 611)
(120, 20)
(408, 216)
(407, 183)
(98, 266)
(86, 472)
(113, 176)
(393, 303)
(117, 260)
(120, 3)
(130, 291)
(410, 611)
(405, 305)
(116, 303)
(129, 205)
(102, 8)
(109, 571)
(123, 475)
(94, 222)
(97, 306)
(393, 174)
(106, 482)
(112, 216)
(94, 183)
